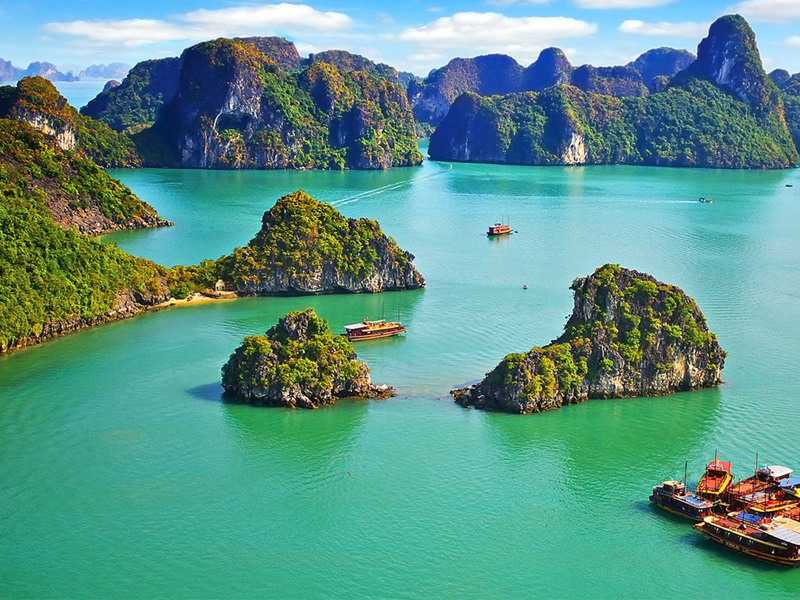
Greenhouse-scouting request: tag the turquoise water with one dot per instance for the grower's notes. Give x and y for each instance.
(124, 475)
(78, 93)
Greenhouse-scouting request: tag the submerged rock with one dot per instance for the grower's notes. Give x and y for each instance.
(629, 335)
(299, 363)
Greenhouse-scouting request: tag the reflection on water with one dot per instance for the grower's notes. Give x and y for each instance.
(292, 437)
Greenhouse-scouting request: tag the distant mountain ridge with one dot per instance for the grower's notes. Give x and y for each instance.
(495, 74)
(8, 72)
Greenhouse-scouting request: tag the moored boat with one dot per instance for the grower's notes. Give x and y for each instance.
(673, 497)
(775, 540)
(372, 330)
(716, 480)
(498, 229)
(763, 479)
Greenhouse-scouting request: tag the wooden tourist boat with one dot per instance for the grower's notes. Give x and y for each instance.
(763, 479)
(372, 330)
(716, 480)
(673, 497)
(775, 540)
(500, 229)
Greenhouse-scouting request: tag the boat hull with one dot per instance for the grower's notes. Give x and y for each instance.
(679, 509)
(748, 541)
(375, 336)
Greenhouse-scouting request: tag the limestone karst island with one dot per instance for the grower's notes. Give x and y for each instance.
(324, 300)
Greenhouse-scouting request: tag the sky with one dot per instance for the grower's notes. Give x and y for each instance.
(411, 35)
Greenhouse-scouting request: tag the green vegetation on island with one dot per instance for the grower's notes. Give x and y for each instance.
(250, 103)
(36, 101)
(75, 190)
(134, 104)
(299, 363)
(308, 247)
(722, 111)
(629, 335)
(54, 279)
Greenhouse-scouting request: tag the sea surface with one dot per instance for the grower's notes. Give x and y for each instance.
(78, 93)
(124, 474)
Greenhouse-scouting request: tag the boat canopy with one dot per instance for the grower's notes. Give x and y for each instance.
(777, 472)
(355, 326)
(749, 518)
(786, 531)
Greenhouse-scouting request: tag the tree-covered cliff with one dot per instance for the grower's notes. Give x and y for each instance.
(36, 101)
(237, 107)
(629, 335)
(709, 117)
(498, 74)
(298, 363)
(135, 103)
(77, 192)
(54, 279)
(308, 247)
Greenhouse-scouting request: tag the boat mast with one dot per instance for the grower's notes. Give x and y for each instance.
(685, 471)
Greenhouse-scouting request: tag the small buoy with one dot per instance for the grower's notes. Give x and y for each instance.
(524, 286)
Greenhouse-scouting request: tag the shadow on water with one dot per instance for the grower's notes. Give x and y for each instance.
(631, 444)
(292, 435)
(211, 392)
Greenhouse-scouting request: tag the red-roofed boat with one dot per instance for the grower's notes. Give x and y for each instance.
(716, 480)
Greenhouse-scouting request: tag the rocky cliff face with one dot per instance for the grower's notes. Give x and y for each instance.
(137, 100)
(237, 107)
(629, 335)
(692, 122)
(729, 57)
(298, 364)
(34, 100)
(307, 247)
(76, 192)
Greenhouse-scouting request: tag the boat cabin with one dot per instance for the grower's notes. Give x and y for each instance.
(775, 473)
(499, 229)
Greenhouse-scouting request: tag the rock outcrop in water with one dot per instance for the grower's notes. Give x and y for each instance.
(308, 247)
(721, 112)
(629, 335)
(249, 103)
(498, 74)
(299, 363)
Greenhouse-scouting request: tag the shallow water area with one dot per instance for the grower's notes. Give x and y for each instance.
(124, 474)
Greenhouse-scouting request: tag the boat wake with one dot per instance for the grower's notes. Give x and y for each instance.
(444, 168)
